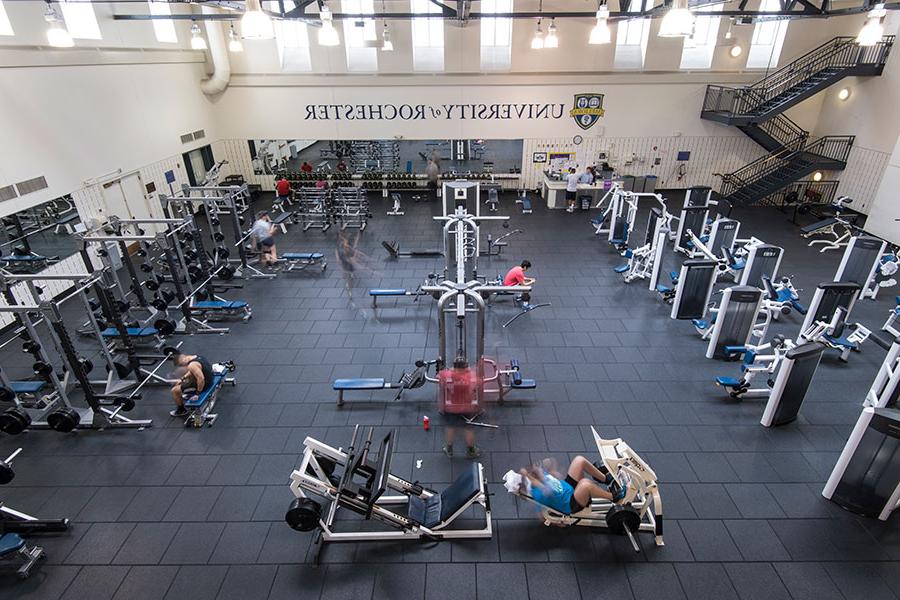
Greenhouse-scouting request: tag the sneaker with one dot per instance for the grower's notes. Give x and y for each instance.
(570, 210)
(448, 450)
(619, 493)
(473, 452)
(179, 412)
(527, 306)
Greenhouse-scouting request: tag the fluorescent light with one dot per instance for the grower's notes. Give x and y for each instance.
(873, 30)
(735, 51)
(328, 35)
(57, 34)
(386, 44)
(81, 22)
(552, 41)
(164, 29)
(678, 21)
(844, 94)
(5, 25)
(234, 42)
(601, 34)
(537, 42)
(255, 24)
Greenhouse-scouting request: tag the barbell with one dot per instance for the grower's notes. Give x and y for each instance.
(6, 471)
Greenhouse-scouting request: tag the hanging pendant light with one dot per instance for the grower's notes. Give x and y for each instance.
(537, 42)
(873, 30)
(386, 44)
(600, 34)
(197, 40)
(328, 35)
(678, 21)
(255, 24)
(728, 33)
(551, 41)
(57, 34)
(234, 42)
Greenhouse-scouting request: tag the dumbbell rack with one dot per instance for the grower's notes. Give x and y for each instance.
(315, 209)
(351, 207)
(387, 153)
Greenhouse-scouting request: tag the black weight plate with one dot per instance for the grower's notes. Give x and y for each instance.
(63, 420)
(14, 420)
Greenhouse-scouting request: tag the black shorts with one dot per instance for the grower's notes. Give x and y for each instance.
(570, 195)
(574, 505)
(265, 243)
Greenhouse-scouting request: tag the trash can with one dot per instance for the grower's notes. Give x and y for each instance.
(650, 183)
(585, 200)
(627, 183)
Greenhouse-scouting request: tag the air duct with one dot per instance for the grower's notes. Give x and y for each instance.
(218, 52)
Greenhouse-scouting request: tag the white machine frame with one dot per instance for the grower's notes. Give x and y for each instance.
(869, 287)
(628, 469)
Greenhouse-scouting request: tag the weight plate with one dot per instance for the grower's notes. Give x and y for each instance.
(303, 514)
(164, 326)
(42, 369)
(63, 420)
(6, 394)
(14, 420)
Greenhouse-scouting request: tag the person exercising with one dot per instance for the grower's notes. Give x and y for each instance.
(516, 276)
(571, 493)
(196, 377)
(263, 232)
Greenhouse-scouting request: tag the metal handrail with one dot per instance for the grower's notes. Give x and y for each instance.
(840, 52)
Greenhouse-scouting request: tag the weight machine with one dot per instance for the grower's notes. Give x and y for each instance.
(830, 225)
(735, 322)
(353, 480)
(861, 260)
(645, 261)
(693, 218)
(826, 318)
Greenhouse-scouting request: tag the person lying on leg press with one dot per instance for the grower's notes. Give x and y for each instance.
(516, 276)
(196, 376)
(570, 494)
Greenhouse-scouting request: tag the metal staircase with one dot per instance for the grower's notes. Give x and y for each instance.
(756, 110)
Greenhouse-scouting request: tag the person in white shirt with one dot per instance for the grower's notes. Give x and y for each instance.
(571, 189)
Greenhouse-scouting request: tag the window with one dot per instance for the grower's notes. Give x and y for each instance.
(427, 37)
(163, 28)
(360, 37)
(631, 39)
(768, 38)
(496, 36)
(5, 25)
(80, 19)
(292, 39)
(698, 51)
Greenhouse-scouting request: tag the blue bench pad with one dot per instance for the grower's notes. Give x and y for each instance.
(302, 256)
(10, 542)
(621, 269)
(16, 258)
(358, 384)
(226, 304)
(27, 387)
(387, 292)
(218, 378)
(112, 332)
(525, 384)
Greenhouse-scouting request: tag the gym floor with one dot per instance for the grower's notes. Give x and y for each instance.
(176, 513)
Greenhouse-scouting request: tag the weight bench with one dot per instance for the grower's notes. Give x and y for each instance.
(493, 200)
(526, 205)
(282, 220)
(28, 387)
(297, 261)
(200, 408)
(13, 547)
(221, 309)
(375, 293)
(819, 227)
(66, 223)
(439, 510)
(29, 263)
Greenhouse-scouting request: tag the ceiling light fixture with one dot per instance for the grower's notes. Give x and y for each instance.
(600, 34)
(255, 24)
(234, 42)
(730, 25)
(735, 51)
(551, 41)
(386, 45)
(57, 34)
(197, 41)
(678, 21)
(817, 176)
(537, 42)
(872, 31)
(844, 94)
(328, 35)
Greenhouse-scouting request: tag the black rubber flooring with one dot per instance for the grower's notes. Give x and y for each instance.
(175, 513)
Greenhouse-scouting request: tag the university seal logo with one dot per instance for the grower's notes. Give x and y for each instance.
(588, 109)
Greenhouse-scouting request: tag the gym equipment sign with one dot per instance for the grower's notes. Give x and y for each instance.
(422, 112)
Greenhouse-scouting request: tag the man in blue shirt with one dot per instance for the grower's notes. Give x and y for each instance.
(573, 493)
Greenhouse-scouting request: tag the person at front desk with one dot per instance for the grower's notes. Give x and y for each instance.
(572, 180)
(587, 177)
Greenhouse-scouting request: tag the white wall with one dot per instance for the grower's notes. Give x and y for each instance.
(884, 215)
(70, 124)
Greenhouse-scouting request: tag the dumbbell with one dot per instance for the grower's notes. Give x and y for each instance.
(6, 471)
(31, 347)
(146, 267)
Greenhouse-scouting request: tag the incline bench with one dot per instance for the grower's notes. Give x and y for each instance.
(282, 220)
(199, 409)
(221, 309)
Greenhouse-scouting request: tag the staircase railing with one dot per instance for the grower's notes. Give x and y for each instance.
(833, 147)
(837, 53)
(781, 128)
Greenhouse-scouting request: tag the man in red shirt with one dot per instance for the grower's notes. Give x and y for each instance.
(306, 167)
(283, 188)
(516, 276)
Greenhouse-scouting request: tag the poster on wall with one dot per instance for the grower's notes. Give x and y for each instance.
(539, 157)
(560, 160)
